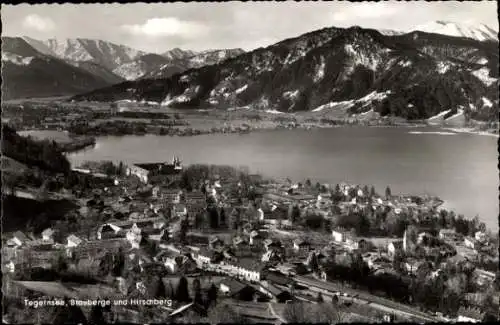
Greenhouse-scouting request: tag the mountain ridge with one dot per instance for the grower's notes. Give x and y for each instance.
(421, 73)
(26, 72)
(479, 32)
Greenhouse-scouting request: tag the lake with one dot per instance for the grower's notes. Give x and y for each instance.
(460, 168)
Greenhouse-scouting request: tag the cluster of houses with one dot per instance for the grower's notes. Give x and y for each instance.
(254, 264)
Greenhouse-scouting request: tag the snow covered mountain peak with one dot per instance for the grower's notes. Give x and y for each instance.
(107, 54)
(479, 32)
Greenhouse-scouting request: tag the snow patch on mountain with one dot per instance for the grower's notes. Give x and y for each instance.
(320, 70)
(483, 74)
(130, 71)
(358, 58)
(105, 53)
(70, 49)
(366, 100)
(390, 32)
(335, 105)
(16, 59)
(241, 89)
(478, 32)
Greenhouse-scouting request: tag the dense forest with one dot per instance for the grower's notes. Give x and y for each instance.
(46, 155)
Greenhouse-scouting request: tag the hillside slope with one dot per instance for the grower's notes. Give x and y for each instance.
(415, 76)
(28, 73)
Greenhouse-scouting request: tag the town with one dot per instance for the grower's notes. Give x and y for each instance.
(218, 244)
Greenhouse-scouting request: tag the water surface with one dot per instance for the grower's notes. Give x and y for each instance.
(460, 168)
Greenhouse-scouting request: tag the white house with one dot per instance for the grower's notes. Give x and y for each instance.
(324, 201)
(249, 274)
(470, 242)
(18, 239)
(73, 241)
(379, 261)
(230, 287)
(301, 245)
(202, 256)
(421, 237)
(134, 236)
(338, 236)
(108, 226)
(412, 265)
(480, 236)
(470, 315)
(254, 238)
(47, 234)
(394, 247)
(179, 210)
(10, 267)
(260, 214)
(447, 234)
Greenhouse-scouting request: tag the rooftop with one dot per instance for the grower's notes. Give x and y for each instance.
(21, 236)
(249, 264)
(233, 285)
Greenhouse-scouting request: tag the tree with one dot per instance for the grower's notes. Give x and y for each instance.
(118, 263)
(388, 192)
(198, 298)
(160, 289)
(308, 183)
(313, 263)
(372, 191)
(121, 169)
(181, 292)
(335, 300)
(96, 316)
(320, 299)
(222, 217)
(212, 295)
(397, 261)
(363, 227)
(61, 264)
(213, 217)
(9, 183)
(295, 215)
(365, 190)
(183, 230)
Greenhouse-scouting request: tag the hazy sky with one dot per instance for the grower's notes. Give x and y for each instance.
(198, 26)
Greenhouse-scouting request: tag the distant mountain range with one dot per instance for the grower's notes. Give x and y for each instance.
(413, 75)
(34, 68)
(478, 32)
(442, 67)
(27, 72)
